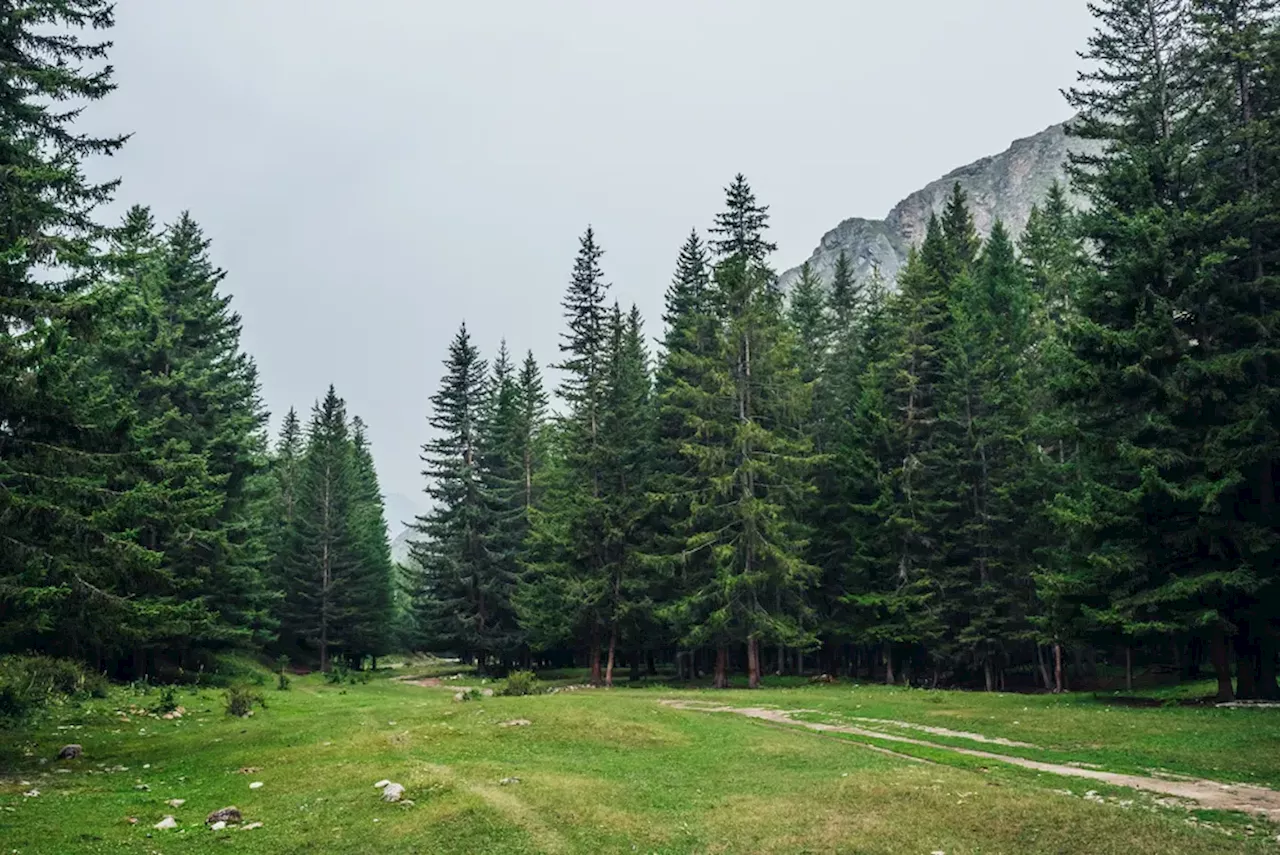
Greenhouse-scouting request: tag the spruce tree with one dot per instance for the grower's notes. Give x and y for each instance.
(627, 440)
(749, 458)
(1229, 319)
(846, 301)
(322, 557)
(373, 623)
(463, 594)
(683, 411)
(63, 554)
(1135, 503)
(988, 405)
(567, 599)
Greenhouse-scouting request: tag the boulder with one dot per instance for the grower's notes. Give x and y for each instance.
(70, 752)
(393, 792)
(167, 822)
(226, 814)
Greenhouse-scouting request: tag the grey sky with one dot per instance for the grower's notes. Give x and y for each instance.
(373, 173)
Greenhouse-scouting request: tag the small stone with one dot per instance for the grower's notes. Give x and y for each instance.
(142, 787)
(247, 770)
(176, 803)
(516, 722)
(508, 781)
(381, 784)
(251, 826)
(226, 814)
(392, 792)
(256, 785)
(167, 822)
(31, 794)
(218, 826)
(132, 820)
(70, 752)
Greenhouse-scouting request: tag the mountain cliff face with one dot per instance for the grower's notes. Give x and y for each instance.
(1003, 187)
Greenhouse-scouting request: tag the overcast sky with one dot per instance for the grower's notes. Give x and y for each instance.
(373, 173)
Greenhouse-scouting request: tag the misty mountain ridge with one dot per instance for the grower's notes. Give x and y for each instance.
(1001, 187)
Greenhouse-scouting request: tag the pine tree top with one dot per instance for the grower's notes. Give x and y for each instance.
(740, 228)
(959, 229)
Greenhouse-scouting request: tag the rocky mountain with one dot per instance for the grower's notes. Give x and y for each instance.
(1003, 187)
(400, 547)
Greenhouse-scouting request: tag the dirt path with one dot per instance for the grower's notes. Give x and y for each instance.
(424, 682)
(1245, 798)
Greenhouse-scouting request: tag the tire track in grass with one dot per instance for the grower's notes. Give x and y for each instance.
(1211, 795)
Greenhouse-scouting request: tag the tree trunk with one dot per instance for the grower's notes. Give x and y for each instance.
(722, 664)
(596, 676)
(1246, 669)
(989, 674)
(1044, 668)
(1128, 668)
(753, 663)
(1058, 687)
(634, 675)
(888, 664)
(613, 648)
(1221, 665)
(650, 666)
(782, 660)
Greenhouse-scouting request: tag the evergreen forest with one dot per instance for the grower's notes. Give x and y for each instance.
(1029, 457)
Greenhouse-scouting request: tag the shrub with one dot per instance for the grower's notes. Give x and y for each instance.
(521, 683)
(241, 699)
(338, 673)
(282, 679)
(28, 684)
(168, 701)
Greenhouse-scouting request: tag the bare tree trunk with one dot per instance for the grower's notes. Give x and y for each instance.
(782, 660)
(1058, 686)
(888, 664)
(1128, 668)
(613, 647)
(753, 663)
(989, 674)
(1221, 664)
(1044, 668)
(596, 677)
(722, 662)
(1246, 666)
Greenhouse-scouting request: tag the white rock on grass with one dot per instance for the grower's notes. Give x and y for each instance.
(256, 785)
(381, 784)
(251, 826)
(167, 822)
(218, 826)
(176, 803)
(392, 792)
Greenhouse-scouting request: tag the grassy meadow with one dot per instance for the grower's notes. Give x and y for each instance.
(602, 771)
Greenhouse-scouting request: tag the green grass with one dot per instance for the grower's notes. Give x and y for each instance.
(618, 772)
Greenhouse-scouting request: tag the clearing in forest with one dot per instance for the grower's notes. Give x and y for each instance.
(656, 769)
